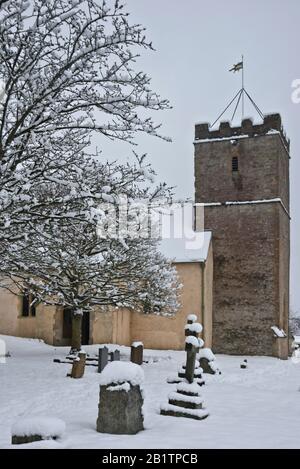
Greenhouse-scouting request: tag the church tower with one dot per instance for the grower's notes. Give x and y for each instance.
(242, 179)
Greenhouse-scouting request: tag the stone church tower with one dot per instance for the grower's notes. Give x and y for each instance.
(242, 178)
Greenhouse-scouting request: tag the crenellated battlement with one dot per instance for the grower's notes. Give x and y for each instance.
(272, 122)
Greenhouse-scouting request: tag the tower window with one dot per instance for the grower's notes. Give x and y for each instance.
(235, 164)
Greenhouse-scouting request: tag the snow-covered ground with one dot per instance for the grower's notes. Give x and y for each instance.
(254, 408)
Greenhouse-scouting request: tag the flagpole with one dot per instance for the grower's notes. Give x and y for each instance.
(243, 87)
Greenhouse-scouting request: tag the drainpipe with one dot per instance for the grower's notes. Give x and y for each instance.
(202, 266)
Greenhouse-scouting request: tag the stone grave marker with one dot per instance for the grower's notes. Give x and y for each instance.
(121, 399)
(187, 401)
(102, 358)
(244, 365)
(78, 366)
(136, 355)
(115, 355)
(208, 362)
(192, 329)
(191, 347)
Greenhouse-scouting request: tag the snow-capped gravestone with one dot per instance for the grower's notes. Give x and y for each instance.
(192, 331)
(208, 361)
(186, 401)
(78, 366)
(244, 365)
(28, 430)
(121, 399)
(102, 358)
(136, 355)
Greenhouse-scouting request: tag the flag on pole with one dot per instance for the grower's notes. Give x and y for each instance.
(237, 67)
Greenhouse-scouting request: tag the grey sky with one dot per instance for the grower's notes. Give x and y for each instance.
(196, 43)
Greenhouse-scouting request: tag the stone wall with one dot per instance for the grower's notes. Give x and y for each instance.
(10, 308)
(261, 160)
(248, 277)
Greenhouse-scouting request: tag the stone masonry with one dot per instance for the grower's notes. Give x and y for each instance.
(251, 238)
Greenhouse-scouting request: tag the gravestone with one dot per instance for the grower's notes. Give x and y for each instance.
(206, 366)
(192, 329)
(186, 401)
(78, 366)
(115, 355)
(191, 352)
(121, 399)
(136, 355)
(102, 358)
(208, 362)
(31, 429)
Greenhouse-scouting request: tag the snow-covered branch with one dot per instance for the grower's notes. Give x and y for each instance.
(67, 71)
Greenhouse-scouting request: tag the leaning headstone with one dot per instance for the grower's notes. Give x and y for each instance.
(28, 430)
(208, 362)
(186, 401)
(78, 366)
(121, 399)
(136, 355)
(102, 358)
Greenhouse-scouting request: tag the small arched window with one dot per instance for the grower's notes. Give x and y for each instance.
(235, 164)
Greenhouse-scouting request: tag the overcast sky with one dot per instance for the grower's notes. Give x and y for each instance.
(196, 43)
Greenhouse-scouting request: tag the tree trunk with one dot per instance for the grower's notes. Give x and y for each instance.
(76, 333)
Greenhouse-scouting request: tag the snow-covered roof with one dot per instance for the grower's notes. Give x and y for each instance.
(184, 250)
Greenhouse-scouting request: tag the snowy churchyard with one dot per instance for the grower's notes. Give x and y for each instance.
(257, 407)
(107, 238)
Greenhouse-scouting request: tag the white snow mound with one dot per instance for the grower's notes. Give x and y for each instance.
(192, 317)
(47, 427)
(188, 387)
(191, 340)
(195, 327)
(121, 372)
(207, 353)
(137, 344)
